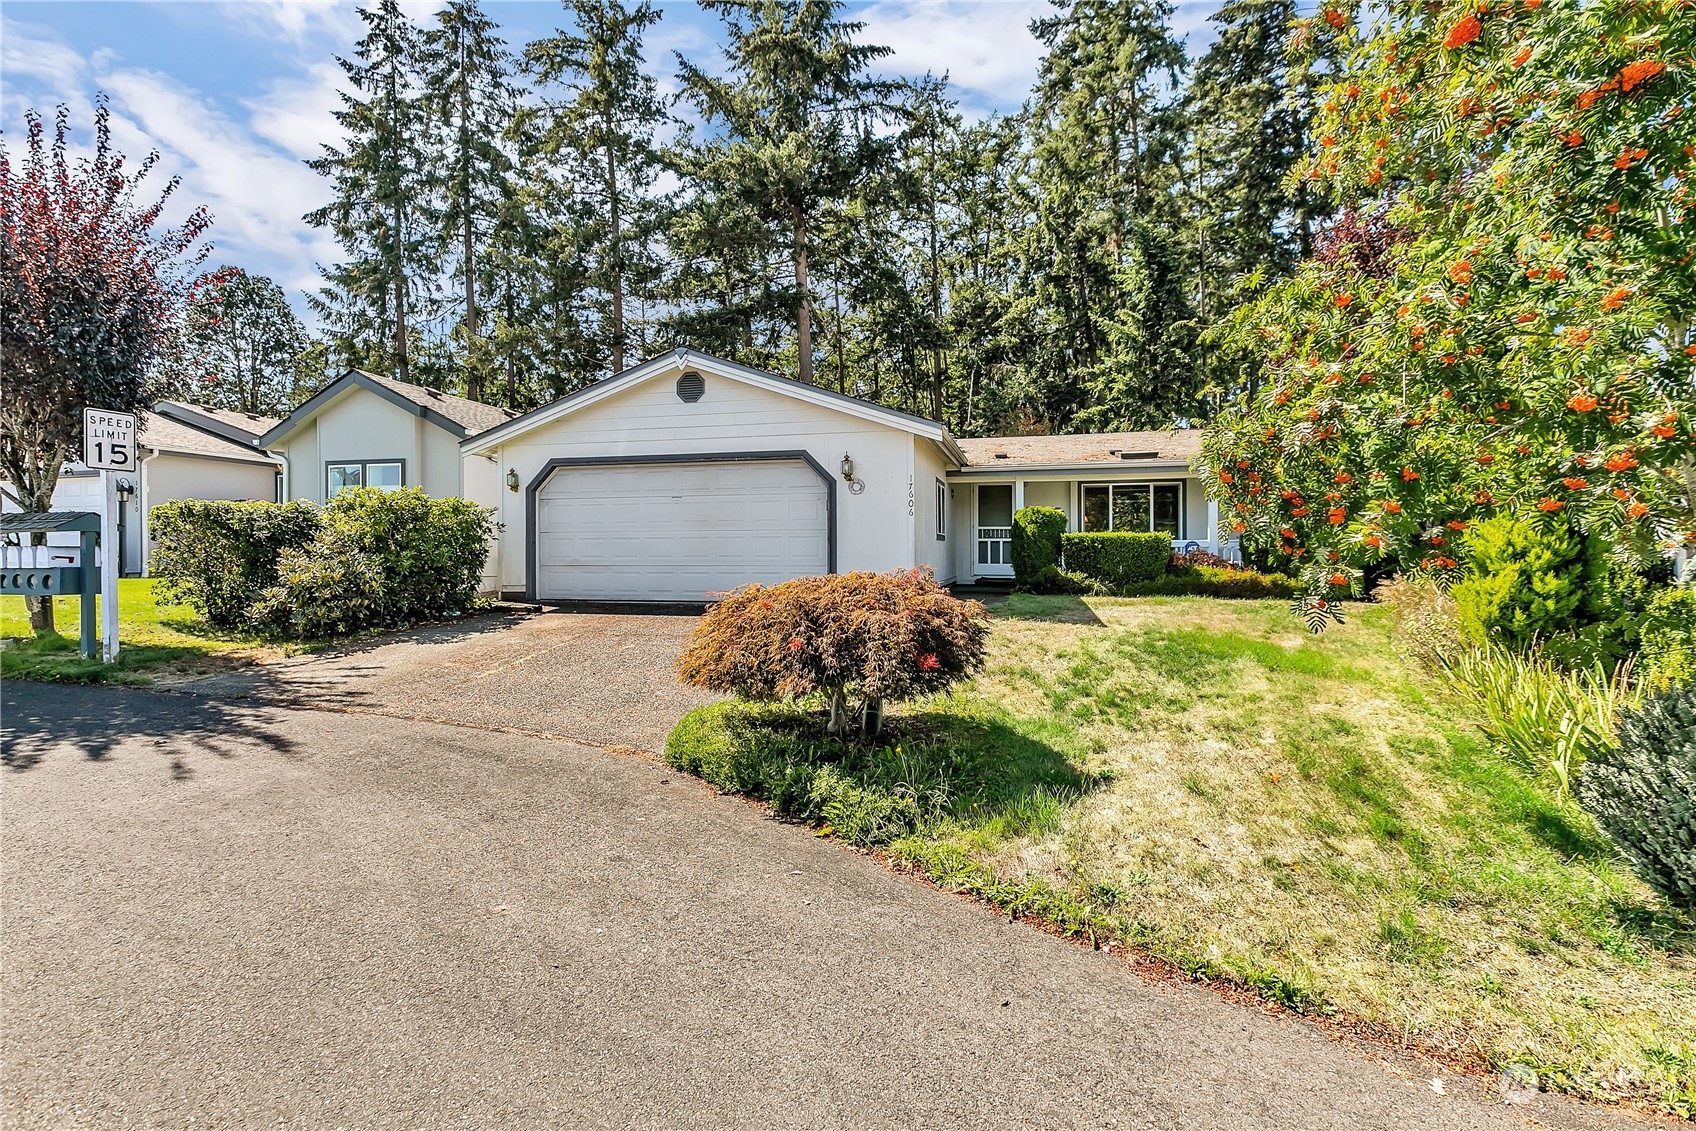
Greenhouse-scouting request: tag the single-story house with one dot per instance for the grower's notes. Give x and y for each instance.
(362, 430)
(689, 475)
(176, 460)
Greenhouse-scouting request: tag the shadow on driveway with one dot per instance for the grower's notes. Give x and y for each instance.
(603, 678)
(89, 723)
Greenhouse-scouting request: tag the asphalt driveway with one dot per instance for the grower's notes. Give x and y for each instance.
(602, 678)
(226, 913)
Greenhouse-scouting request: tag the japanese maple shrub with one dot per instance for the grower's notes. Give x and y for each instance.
(852, 638)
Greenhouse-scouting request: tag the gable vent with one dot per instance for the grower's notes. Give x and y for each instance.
(690, 387)
(1139, 455)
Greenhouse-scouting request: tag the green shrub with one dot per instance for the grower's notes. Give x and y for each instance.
(1117, 558)
(1217, 581)
(217, 557)
(866, 636)
(330, 587)
(1643, 793)
(1527, 581)
(1544, 715)
(1053, 579)
(1667, 639)
(429, 552)
(1036, 541)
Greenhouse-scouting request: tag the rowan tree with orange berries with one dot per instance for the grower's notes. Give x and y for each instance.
(1524, 343)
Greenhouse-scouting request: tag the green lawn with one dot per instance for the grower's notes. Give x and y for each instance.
(155, 642)
(1308, 818)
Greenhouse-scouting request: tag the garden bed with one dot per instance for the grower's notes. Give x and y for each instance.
(1308, 818)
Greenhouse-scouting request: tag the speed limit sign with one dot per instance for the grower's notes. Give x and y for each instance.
(108, 440)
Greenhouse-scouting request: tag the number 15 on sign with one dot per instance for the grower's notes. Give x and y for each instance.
(108, 440)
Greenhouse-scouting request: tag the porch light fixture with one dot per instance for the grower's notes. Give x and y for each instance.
(855, 486)
(512, 479)
(125, 490)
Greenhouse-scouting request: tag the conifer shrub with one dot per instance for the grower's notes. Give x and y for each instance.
(1117, 558)
(1643, 793)
(1036, 541)
(1667, 656)
(1527, 581)
(854, 638)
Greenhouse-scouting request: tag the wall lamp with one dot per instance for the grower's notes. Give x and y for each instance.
(512, 480)
(125, 490)
(855, 486)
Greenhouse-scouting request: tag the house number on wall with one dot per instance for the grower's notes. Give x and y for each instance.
(909, 496)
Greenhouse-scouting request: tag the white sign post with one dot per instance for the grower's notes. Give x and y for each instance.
(108, 446)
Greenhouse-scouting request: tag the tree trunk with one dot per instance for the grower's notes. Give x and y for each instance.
(617, 254)
(803, 309)
(37, 495)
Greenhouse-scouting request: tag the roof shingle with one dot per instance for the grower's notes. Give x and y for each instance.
(1087, 447)
(473, 416)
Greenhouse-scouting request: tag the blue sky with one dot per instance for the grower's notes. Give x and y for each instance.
(236, 95)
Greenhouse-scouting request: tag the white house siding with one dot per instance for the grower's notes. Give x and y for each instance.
(171, 476)
(648, 419)
(928, 550)
(361, 427)
(481, 479)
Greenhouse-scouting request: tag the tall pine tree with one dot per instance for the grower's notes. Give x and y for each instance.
(469, 100)
(605, 128)
(795, 118)
(379, 214)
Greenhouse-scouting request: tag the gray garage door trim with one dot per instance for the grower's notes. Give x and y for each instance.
(541, 478)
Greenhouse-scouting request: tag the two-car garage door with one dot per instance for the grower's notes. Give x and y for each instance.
(677, 531)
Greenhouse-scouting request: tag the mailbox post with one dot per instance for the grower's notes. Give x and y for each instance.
(36, 579)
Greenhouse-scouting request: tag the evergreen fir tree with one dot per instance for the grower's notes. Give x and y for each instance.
(605, 129)
(379, 214)
(469, 99)
(795, 117)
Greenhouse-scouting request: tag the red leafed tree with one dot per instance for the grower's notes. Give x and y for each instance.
(90, 280)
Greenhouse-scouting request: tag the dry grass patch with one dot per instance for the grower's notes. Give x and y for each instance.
(1309, 813)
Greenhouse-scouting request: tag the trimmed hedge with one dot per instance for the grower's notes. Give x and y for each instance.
(217, 558)
(1119, 558)
(371, 559)
(1036, 541)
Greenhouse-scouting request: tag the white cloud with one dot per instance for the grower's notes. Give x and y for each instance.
(986, 50)
(245, 170)
(294, 114)
(296, 21)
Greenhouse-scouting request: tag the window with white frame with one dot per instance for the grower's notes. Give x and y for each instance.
(941, 511)
(1133, 507)
(385, 475)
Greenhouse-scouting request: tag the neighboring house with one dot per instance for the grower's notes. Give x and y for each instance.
(243, 428)
(689, 475)
(176, 461)
(363, 430)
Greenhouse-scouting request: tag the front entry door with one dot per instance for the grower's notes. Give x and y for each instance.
(994, 556)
